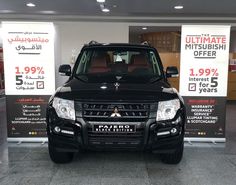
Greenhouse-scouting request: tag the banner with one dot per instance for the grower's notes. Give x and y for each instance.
(29, 76)
(204, 78)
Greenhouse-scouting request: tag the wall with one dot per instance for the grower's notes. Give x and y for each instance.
(71, 36)
(232, 41)
(0, 35)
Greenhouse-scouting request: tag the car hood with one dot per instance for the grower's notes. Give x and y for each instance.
(82, 91)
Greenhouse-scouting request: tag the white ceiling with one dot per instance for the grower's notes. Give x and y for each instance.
(215, 10)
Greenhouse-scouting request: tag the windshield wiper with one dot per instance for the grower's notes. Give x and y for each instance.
(82, 78)
(155, 79)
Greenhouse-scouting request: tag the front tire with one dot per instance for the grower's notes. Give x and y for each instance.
(59, 157)
(173, 158)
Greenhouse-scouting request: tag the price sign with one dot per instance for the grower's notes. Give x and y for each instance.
(29, 78)
(203, 80)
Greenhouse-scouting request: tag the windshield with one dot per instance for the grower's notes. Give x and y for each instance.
(123, 64)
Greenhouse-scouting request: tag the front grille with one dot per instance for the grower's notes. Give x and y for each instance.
(133, 112)
(116, 140)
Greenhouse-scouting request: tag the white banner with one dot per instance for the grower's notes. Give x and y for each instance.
(204, 60)
(203, 80)
(29, 58)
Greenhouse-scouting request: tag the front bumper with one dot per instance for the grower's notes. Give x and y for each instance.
(161, 137)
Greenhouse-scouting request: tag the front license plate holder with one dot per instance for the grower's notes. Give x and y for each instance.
(114, 128)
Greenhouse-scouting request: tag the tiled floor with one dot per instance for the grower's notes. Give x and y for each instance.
(203, 164)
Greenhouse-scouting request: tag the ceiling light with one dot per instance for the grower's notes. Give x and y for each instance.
(144, 28)
(48, 12)
(6, 11)
(179, 7)
(106, 10)
(30, 5)
(103, 87)
(101, 1)
(114, 6)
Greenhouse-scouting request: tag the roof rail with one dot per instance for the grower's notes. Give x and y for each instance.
(93, 42)
(145, 43)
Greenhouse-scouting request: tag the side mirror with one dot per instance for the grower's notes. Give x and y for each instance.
(172, 71)
(65, 70)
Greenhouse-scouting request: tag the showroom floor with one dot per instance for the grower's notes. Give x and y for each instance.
(202, 164)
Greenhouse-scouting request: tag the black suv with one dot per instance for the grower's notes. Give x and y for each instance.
(117, 97)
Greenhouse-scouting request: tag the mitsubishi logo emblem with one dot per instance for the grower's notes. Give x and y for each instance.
(115, 113)
(118, 77)
(116, 85)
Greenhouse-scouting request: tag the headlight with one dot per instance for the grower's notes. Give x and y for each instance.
(167, 109)
(64, 108)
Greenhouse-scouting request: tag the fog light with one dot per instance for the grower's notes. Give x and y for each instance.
(67, 132)
(57, 129)
(173, 130)
(163, 133)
